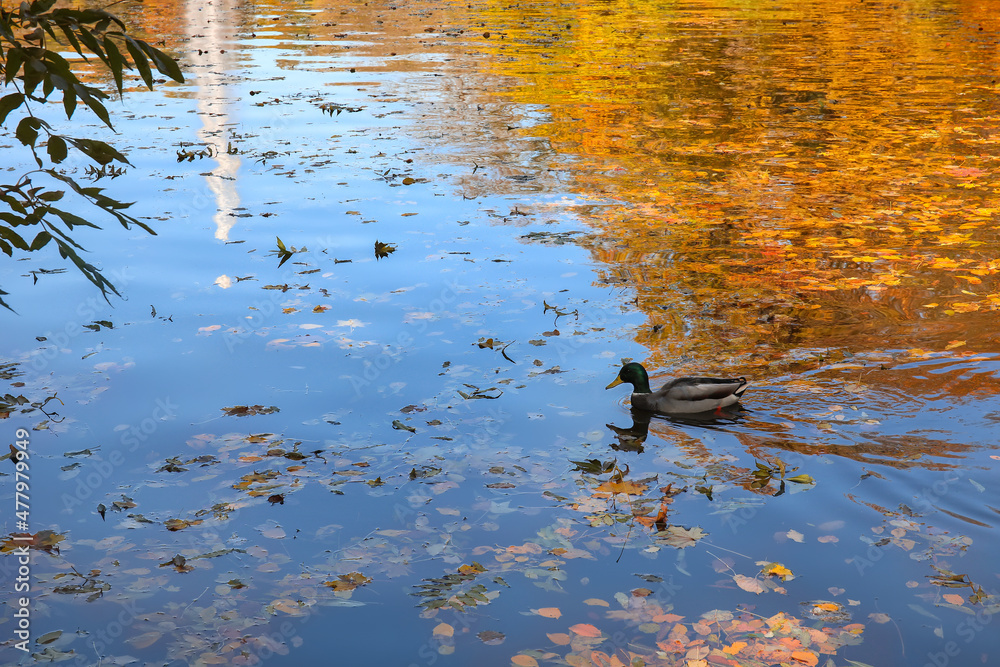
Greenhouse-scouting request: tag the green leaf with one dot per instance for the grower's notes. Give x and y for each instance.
(71, 220)
(98, 151)
(96, 16)
(27, 130)
(56, 148)
(8, 103)
(71, 38)
(15, 240)
(88, 270)
(141, 63)
(115, 62)
(40, 240)
(91, 42)
(94, 105)
(15, 57)
(164, 63)
(41, 6)
(69, 102)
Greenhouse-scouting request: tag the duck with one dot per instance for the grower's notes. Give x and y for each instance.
(684, 395)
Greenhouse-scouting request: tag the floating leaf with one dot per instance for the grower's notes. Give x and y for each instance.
(777, 570)
(145, 640)
(180, 524)
(400, 426)
(348, 582)
(749, 584)
(383, 249)
(49, 637)
(491, 637)
(801, 479)
(249, 410)
(585, 630)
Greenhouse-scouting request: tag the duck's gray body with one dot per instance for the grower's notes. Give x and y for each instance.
(681, 395)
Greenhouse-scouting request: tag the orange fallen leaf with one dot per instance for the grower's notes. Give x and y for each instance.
(559, 638)
(625, 486)
(954, 598)
(734, 648)
(524, 661)
(443, 630)
(806, 658)
(549, 612)
(585, 630)
(475, 568)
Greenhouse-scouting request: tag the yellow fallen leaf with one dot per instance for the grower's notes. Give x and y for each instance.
(778, 570)
(965, 307)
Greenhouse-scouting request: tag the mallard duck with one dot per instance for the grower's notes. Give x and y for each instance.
(681, 395)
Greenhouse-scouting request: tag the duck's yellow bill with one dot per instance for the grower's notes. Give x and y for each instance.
(614, 383)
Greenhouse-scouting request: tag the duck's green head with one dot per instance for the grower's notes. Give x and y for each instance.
(634, 374)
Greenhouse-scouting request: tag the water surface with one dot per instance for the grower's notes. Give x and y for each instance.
(412, 458)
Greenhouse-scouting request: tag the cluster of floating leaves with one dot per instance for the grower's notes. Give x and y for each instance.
(717, 637)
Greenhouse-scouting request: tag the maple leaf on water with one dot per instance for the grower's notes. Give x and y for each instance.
(43, 540)
(680, 537)
(348, 582)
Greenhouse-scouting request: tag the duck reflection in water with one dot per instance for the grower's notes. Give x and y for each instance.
(632, 438)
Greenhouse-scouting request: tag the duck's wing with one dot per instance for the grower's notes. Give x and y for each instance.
(689, 395)
(699, 389)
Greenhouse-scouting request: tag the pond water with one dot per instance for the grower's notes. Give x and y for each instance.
(337, 455)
